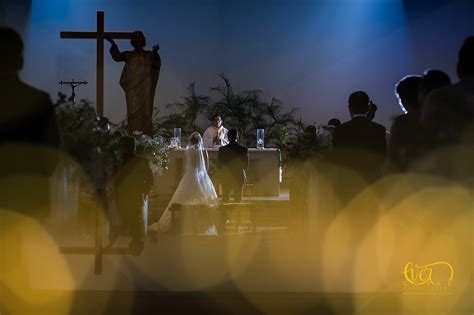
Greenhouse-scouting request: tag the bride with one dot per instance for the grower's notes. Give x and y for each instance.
(195, 188)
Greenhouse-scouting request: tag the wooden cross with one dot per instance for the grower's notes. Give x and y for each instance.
(98, 250)
(99, 37)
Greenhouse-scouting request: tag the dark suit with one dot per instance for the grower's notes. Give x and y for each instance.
(232, 160)
(405, 141)
(133, 181)
(29, 139)
(358, 145)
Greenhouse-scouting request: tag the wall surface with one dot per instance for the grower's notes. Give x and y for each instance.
(309, 54)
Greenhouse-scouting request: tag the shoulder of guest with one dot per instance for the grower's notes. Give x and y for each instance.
(31, 89)
(378, 126)
(400, 119)
(38, 96)
(441, 94)
(344, 125)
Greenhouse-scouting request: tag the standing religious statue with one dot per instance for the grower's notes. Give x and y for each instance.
(139, 78)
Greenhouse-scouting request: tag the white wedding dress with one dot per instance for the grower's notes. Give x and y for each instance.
(195, 188)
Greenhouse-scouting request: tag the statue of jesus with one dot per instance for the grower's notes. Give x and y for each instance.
(139, 78)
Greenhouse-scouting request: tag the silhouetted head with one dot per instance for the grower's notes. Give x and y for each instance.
(358, 103)
(138, 40)
(11, 46)
(334, 122)
(233, 134)
(465, 65)
(431, 80)
(406, 91)
(217, 121)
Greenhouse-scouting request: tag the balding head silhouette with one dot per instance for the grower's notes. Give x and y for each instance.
(465, 65)
(358, 103)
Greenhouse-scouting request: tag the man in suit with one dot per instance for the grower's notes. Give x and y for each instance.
(404, 135)
(447, 118)
(359, 146)
(133, 182)
(448, 113)
(232, 161)
(29, 135)
(29, 142)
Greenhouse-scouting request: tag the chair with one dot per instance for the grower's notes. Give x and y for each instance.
(237, 215)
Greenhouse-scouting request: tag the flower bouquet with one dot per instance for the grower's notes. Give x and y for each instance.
(156, 149)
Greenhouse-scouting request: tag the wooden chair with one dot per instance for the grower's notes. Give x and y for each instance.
(247, 190)
(238, 214)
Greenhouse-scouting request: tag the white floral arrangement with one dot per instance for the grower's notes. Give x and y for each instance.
(156, 149)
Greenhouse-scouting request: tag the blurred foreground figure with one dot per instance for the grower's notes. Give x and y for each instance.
(29, 138)
(447, 119)
(448, 112)
(29, 135)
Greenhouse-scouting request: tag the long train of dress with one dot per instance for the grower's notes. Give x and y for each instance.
(195, 188)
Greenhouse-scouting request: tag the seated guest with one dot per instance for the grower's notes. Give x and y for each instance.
(405, 131)
(359, 145)
(232, 161)
(215, 135)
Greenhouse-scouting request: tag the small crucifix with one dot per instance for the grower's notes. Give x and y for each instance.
(73, 85)
(99, 37)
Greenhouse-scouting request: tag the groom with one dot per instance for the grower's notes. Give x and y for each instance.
(232, 161)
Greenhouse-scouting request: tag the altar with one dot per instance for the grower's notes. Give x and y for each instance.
(263, 171)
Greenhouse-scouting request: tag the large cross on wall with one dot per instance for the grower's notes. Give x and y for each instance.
(98, 35)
